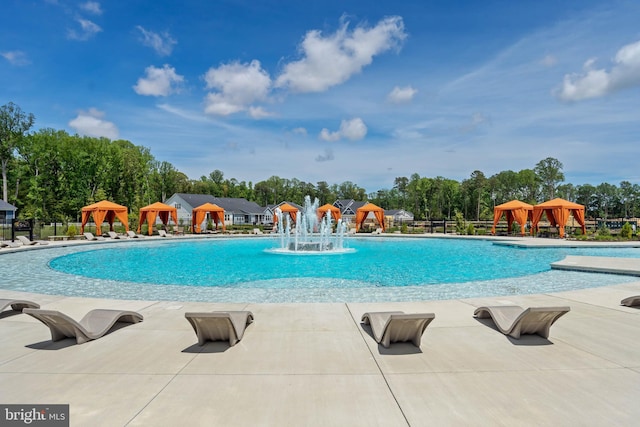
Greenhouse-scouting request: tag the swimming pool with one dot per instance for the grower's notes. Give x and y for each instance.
(241, 270)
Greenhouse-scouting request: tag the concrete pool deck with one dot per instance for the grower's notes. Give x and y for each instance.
(314, 364)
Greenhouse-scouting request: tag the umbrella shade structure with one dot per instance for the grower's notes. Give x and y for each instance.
(557, 212)
(200, 212)
(363, 212)
(514, 210)
(335, 212)
(287, 208)
(157, 210)
(105, 211)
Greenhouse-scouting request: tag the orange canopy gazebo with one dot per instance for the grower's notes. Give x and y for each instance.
(514, 210)
(105, 211)
(557, 211)
(198, 214)
(287, 208)
(322, 211)
(158, 209)
(363, 212)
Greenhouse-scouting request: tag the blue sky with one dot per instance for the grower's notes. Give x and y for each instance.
(337, 91)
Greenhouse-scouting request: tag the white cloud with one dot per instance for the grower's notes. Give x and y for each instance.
(477, 119)
(401, 95)
(91, 123)
(87, 30)
(332, 60)
(236, 86)
(91, 7)
(16, 57)
(353, 130)
(595, 83)
(259, 113)
(161, 43)
(300, 131)
(327, 156)
(158, 81)
(549, 61)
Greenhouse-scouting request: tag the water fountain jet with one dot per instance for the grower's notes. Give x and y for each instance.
(311, 235)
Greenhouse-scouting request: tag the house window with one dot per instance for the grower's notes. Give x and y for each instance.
(178, 206)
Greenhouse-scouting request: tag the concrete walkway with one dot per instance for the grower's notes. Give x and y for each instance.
(316, 365)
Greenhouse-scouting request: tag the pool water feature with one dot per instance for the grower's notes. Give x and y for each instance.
(238, 270)
(311, 235)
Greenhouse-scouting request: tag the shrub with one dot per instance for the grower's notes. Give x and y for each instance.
(460, 226)
(404, 229)
(626, 231)
(471, 230)
(72, 231)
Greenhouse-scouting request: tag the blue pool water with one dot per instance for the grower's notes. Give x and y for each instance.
(379, 262)
(242, 270)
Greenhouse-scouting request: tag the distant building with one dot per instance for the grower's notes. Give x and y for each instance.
(348, 209)
(7, 212)
(399, 215)
(237, 211)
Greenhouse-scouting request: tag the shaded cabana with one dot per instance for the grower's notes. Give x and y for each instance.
(558, 211)
(364, 211)
(105, 211)
(199, 213)
(157, 210)
(335, 212)
(287, 208)
(514, 210)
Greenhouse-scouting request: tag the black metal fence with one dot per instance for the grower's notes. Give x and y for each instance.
(42, 229)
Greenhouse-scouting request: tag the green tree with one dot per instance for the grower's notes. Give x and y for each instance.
(549, 172)
(585, 195)
(476, 187)
(528, 188)
(606, 197)
(14, 123)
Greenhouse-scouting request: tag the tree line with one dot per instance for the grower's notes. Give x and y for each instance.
(50, 175)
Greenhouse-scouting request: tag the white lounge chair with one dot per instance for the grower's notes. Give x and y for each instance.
(95, 324)
(631, 301)
(133, 235)
(514, 320)
(90, 236)
(163, 233)
(26, 242)
(17, 304)
(113, 234)
(9, 245)
(220, 325)
(396, 326)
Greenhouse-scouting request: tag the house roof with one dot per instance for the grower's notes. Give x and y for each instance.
(229, 204)
(195, 200)
(4, 206)
(393, 212)
(237, 205)
(348, 206)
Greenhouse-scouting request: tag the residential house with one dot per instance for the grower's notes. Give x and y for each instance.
(398, 216)
(348, 209)
(7, 212)
(237, 211)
